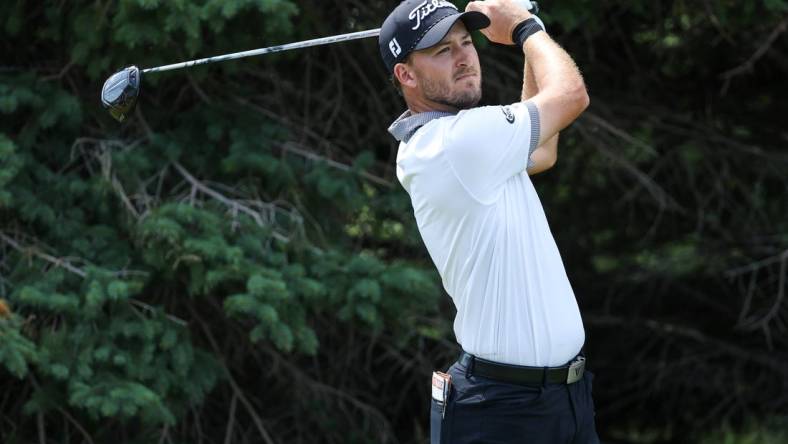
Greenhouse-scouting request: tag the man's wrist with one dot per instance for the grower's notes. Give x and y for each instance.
(525, 29)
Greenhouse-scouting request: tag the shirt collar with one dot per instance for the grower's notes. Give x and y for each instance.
(406, 125)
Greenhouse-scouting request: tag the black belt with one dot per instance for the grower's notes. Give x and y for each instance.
(518, 374)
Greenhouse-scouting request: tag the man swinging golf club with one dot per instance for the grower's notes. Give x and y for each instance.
(521, 375)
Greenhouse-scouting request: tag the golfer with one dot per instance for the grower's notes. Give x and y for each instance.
(521, 376)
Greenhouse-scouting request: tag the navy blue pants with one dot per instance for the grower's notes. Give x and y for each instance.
(484, 411)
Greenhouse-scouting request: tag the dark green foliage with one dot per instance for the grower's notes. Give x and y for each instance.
(237, 263)
(16, 351)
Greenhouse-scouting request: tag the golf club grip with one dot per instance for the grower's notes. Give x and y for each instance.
(270, 49)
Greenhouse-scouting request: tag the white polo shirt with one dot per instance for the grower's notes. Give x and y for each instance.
(486, 232)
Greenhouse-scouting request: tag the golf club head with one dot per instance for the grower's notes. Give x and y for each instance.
(120, 91)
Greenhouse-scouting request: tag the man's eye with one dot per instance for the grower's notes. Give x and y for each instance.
(444, 50)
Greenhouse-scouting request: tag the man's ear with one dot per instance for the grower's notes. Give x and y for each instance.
(404, 75)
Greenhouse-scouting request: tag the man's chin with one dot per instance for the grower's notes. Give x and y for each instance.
(468, 101)
(464, 103)
(465, 100)
(468, 105)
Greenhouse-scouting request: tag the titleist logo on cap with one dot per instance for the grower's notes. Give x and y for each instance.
(426, 8)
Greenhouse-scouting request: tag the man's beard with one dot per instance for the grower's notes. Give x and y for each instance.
(440, 92)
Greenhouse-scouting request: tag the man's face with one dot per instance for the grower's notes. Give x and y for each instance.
(449, 73)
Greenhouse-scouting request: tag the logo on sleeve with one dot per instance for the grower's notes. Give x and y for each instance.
(508, 113)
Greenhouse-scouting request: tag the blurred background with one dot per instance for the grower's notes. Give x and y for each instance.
(237, 263)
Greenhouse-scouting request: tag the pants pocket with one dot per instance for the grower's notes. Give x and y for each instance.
(436, 422)
(589, 380)
(587, 431)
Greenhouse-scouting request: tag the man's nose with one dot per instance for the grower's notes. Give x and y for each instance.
(463, 55)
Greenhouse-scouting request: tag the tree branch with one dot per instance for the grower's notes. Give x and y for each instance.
(228, 437)
(59, 262)
(774, 363)
(85, 434)
(237, 392)
(230, 203)
(750, 63)
(292, 147)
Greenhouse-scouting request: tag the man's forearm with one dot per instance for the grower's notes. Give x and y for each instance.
(529, 82)
(562, 95)
(553, 69)
(546, 154)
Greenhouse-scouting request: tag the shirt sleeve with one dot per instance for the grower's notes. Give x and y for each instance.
(487, 146)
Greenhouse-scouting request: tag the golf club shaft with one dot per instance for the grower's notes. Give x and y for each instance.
(270, 49)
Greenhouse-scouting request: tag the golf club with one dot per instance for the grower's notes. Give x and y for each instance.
(120, 91)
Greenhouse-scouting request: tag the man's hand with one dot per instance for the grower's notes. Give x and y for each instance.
(504, 15)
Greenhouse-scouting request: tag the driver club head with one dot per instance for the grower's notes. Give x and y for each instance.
(120, 91)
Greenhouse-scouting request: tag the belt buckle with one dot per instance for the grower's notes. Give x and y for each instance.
(576, 369)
